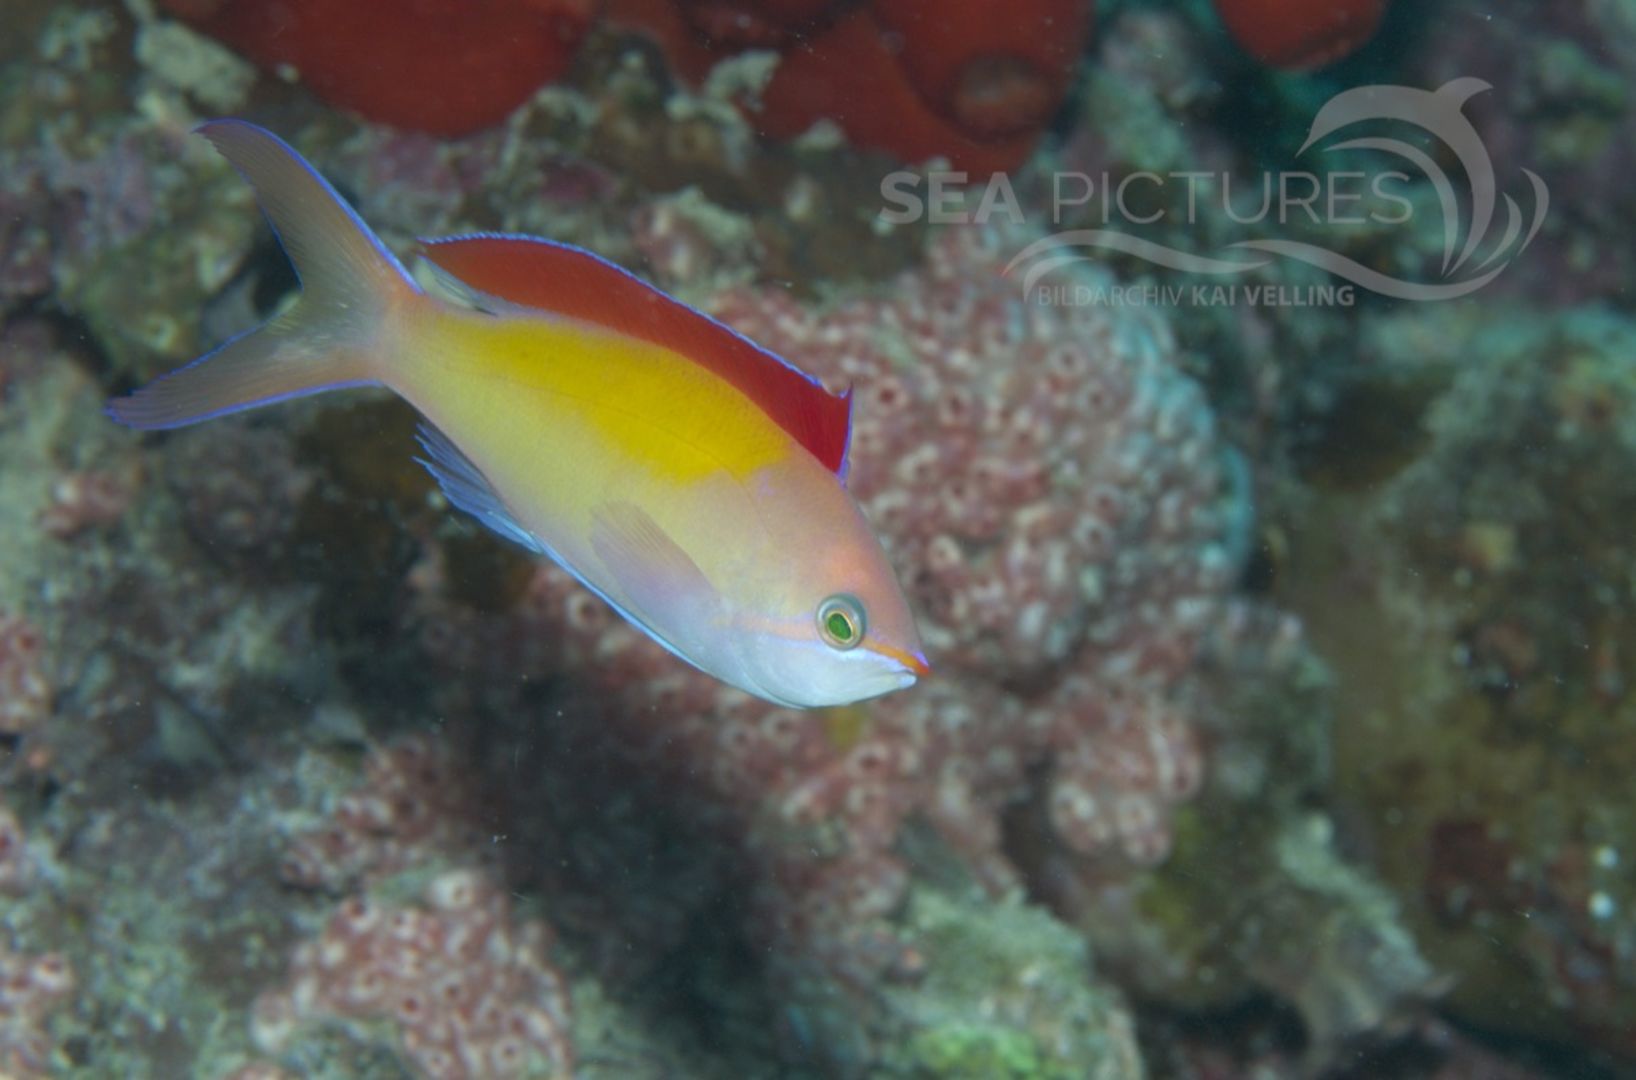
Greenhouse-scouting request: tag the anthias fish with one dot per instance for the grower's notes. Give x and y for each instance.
(693, 480)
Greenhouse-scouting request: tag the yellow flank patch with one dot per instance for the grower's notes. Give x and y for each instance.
(649, 405)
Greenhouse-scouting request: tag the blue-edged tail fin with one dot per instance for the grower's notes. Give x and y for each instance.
(331, 337)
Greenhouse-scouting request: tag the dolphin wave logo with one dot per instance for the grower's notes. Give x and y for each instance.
(1441, 114)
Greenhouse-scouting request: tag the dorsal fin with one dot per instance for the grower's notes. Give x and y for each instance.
(569, 281)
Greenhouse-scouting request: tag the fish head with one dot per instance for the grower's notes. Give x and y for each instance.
(797, 606)
(842, 648)
(835, 627)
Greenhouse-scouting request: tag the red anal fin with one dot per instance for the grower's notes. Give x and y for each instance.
(576, 284)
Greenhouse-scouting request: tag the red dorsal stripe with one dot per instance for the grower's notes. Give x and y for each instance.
(574, 283)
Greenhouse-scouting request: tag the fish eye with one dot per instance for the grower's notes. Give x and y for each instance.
(841, 621)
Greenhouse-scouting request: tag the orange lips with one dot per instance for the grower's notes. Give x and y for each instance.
(913, 662)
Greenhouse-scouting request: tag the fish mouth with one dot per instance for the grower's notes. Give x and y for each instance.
(914, 663)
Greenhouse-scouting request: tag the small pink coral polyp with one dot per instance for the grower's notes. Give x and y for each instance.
(25, 692)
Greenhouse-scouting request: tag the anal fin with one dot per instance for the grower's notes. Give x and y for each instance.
(465, 486)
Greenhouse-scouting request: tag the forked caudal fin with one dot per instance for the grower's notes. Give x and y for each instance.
(329, 339)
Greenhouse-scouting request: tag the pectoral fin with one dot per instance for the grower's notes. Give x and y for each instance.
(661, 588)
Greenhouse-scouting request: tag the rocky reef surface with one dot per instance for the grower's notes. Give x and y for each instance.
(1282, 712)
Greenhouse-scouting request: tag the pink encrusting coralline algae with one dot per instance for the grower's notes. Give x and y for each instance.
(1051, 487)
(1051, 491)
(467, 989)
(414, 804)
(31, 986)
(85, 499)
(17, 869)
(25, 692)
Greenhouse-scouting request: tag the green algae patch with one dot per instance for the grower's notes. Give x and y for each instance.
(975, 1052)
(1007, 991)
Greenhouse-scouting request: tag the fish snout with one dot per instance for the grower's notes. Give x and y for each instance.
(912, 662)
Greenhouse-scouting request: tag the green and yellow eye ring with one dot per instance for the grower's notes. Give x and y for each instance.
(841, 621)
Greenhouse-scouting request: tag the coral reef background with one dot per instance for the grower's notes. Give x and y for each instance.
(1282, 723)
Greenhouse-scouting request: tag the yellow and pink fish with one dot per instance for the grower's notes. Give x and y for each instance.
(690, 478)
